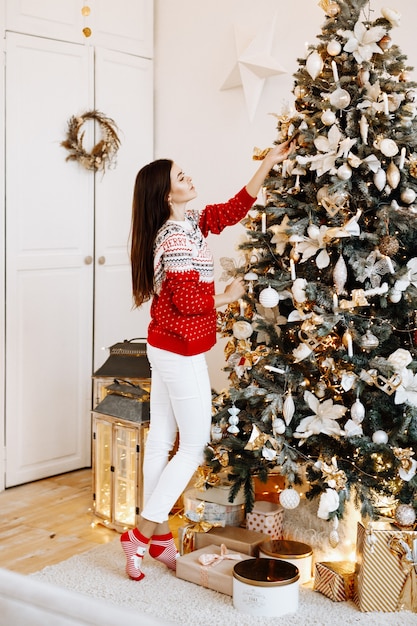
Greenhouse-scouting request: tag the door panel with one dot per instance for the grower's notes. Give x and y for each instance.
(124, 92)
(49, 286)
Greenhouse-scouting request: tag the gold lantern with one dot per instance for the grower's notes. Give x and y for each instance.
(120, 426)
(120, 423)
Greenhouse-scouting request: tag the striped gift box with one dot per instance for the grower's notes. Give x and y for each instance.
(335, 579)
(380, 578)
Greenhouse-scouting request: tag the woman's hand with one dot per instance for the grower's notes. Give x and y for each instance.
(275, 155)
(234, 290)
(279, 153)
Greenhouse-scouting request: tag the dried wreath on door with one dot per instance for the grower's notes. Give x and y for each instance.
(104, 152)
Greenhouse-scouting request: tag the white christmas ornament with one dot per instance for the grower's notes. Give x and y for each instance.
(334, 48)
(388, 147)
(233, 420)
(393, 17)
(380, 178)
(278, 426)
(242, 329)
(288, 409)
(408, 195)
(339, 98)
(269, 298)
(344, 172)
(380, 437)
(289, 498)
(314, 64)
(357, 411)
(340, 275)
(405, 515)
(328, 117)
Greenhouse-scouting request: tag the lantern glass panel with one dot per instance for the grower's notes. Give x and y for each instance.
(103, 469)
(126, 476)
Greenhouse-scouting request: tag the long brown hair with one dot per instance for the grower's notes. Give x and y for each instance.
(149, 212)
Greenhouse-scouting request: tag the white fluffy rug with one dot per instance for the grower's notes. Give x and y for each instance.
(100, 573)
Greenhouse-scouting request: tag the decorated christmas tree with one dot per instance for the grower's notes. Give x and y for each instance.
(321, 353)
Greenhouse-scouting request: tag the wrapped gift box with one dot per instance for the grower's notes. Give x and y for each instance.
(217, 576)
(381, 582)
(187, 535)
(234, 538)
(266, 517)
(227, 514)
(335, 579)
(220, 495)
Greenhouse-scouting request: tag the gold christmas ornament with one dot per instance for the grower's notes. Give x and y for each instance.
(393, 176)
(330, 7)
(389, 245)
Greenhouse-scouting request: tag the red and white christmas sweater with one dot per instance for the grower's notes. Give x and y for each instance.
(183, 315)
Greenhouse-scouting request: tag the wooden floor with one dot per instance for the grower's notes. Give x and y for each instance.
(48, 521)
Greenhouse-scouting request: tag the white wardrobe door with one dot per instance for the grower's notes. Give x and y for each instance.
(49, 243)
(124, 92)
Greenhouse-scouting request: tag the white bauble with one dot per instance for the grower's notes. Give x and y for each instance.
(395, 296)
(357, 411)
(380, 178)
(340, 275)
(380, 436)
(289, 498)
(405, 515)
(314, 64)
(242, 329)
(339, 98)
(216, 433)
(334, 48)
(408, 195)
(269, 298)
(344, 172)
(388, 147)
(278, 426)
(328, 117)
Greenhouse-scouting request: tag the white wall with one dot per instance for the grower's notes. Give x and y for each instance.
(207, 131)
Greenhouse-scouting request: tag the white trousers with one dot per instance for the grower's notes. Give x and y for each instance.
(180, 402)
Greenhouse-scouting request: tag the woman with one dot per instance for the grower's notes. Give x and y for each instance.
(171, 264)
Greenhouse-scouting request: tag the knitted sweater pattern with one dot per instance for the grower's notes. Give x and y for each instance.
(183, 316)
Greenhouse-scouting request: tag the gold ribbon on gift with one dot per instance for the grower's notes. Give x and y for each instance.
(408, 560)
(212, 559)
(199, 526)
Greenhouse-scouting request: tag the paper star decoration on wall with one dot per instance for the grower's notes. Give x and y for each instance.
(254, 64)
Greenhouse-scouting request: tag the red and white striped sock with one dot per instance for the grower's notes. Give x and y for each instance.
(134, 546)
(163, 549)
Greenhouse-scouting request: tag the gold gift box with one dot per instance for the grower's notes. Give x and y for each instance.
(335, 579)
(234, 538)
(380, 578)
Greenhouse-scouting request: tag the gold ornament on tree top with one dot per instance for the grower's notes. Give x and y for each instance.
(103, 154)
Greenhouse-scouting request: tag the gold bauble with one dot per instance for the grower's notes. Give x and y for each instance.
(389, 245)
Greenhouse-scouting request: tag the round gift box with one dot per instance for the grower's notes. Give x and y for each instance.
(299, 554)
(265, 587)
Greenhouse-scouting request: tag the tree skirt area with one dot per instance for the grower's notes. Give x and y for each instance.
(100, 573)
